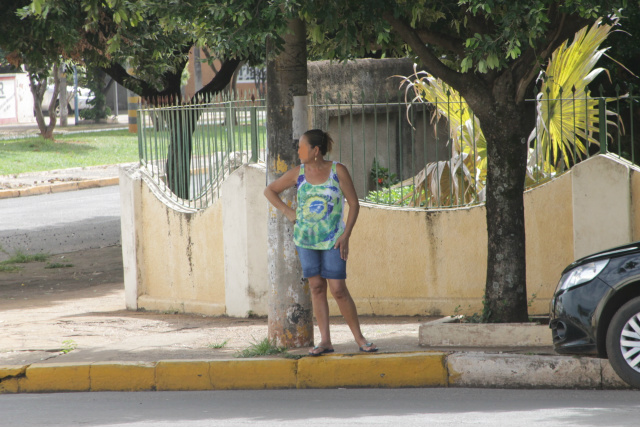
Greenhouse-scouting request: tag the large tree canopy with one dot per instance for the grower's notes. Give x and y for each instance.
(490, 52)
(144, 45)
(153, 37)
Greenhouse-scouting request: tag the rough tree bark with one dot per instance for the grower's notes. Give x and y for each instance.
(290, 313)
(38, 88)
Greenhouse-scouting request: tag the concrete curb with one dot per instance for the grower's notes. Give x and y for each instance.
(59, 187)
(423, 369)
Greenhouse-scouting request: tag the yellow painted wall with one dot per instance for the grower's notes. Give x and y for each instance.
(402, 261)
(411, 261)
(181, 258)
(549, 239)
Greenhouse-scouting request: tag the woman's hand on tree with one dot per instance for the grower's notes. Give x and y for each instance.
(290, 213)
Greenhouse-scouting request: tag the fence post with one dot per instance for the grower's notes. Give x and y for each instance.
(602, 130)
(254, 134)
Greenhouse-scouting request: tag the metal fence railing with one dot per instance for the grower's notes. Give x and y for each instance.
(398, 153)
(188, 150)
(419, 154)
(430, 155)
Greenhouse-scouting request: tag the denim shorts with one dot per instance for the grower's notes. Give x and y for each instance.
(326, 263)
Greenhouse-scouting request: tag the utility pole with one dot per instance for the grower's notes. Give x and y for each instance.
(63, 96)
(290, 310)
(197, 69)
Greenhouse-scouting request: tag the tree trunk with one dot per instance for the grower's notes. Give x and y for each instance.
(38, 88)
(505, 126)
(182, 125)
(290, 312)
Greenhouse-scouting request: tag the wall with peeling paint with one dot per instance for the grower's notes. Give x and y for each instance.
(402, 261)
(244, 213)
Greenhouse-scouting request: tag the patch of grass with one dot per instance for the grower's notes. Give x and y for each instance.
(57, 265)
(265, 347)
(20, 257)
(8, 268)
(67, 151)
(218, 345)
(68, 346)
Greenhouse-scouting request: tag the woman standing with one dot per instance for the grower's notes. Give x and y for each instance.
(320, 234)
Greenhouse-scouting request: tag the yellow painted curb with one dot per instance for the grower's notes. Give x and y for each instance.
(102, 182)
(43, 377)
(371, 370)
(63, 186)
(183, 375)
(379, 370)
(8, 194)
(122, 376)
(253, 374)
(9, 377)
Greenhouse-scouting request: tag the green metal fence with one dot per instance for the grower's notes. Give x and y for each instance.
(399, 153)
(188, 150)
(433, 155)
(422, 155)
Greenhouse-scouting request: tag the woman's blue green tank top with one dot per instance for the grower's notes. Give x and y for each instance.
(319, 220)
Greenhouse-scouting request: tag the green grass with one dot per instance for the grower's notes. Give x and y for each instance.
(68, 346)
(8, 268)
(20, 257)
(67, 151)
(265, 347)
(218, 345)
(57, 265)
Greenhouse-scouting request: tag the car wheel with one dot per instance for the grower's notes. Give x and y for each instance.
(57, 112)
(623, 342)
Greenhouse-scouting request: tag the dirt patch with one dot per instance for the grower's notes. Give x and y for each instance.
(78, 314)
(34, 280)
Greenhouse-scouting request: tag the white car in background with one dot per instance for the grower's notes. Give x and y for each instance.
(84, 96)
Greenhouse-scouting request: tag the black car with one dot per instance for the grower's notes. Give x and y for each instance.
(595, 309)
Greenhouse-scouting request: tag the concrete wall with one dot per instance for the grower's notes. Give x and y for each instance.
(16, 100)
(403, 261)
(244, 220)
(179, 255)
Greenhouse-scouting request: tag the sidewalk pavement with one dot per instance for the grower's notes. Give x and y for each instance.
(83, 339)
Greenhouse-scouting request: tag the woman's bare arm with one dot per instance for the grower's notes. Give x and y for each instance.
(273, 190)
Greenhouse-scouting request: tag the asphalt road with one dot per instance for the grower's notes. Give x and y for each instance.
(356, 407)
(60, 222)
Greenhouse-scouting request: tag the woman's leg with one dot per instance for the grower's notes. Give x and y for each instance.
(318, 286)
(347, 307)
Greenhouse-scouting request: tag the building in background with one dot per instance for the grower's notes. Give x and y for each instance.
(249, 79)
(16, 100)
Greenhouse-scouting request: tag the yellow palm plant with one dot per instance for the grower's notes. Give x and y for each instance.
(565, 124)
(567, 116)
(460, 179)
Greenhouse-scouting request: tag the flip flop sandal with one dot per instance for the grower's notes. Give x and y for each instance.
(324, 351)
(371, 350)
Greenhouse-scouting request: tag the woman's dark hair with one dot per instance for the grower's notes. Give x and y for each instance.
(319, 138)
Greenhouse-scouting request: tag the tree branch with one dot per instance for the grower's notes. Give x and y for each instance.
(221, 79)
(118, 73)
(525, 65)
(452, 44)
(461, 82)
